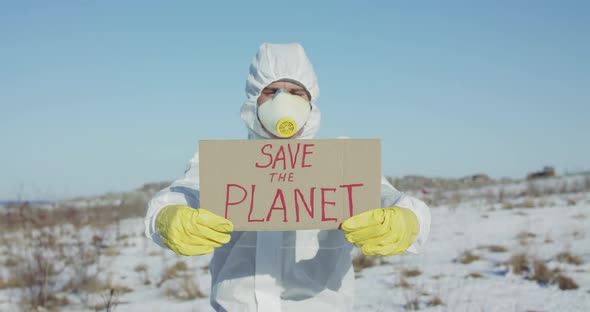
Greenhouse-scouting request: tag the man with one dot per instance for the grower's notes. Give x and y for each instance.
(307, 270)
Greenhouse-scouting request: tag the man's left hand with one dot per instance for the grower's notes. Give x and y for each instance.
(383, 231)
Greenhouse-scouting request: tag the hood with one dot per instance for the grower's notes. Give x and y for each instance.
(275, 62)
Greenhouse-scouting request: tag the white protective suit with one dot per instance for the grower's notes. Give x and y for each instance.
(274, 271)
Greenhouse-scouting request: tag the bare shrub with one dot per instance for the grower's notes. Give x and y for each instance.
(51, 258)
(109, 301)
(142, 270)
(39, 270)
(412, 298)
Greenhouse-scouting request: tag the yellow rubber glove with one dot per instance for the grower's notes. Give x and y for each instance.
(192, 232)
(384, 231)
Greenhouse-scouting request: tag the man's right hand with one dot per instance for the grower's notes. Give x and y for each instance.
(192, 232)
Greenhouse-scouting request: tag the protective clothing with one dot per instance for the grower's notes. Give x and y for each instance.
(192, 232)
(383, 231)
(308, 270)
(284, 114)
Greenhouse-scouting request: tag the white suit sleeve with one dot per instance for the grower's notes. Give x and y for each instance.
(184, 191)
(392, 197)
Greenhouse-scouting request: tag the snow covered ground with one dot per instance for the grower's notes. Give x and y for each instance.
(465, 266)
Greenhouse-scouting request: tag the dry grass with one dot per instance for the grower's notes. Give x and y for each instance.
(412, 298)
(548, 240)
(435, 301)
(109, 301)
(507, 206)
(438, 276)
(411, 273)
(519, 263)
(474, 275)
(185, 289)
(412, 305)
(569, 258)
(174, 271)
(528, 203)
(467, 257)
(142, 270)
(580, 216)
(566, 283)
(541, 272)
(11, 282)
(111, 251)
(360, 262)
(524, 237)
(11, 262)
(52, 258)
(403, 283)
(494, 248)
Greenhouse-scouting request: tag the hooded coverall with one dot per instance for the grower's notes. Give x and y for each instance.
(307, 270)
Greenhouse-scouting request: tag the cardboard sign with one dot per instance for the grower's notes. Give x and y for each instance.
(290, 184)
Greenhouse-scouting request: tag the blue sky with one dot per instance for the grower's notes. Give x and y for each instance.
(99, 96)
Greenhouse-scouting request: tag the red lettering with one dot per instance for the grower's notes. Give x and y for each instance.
(263, 153)
(252, 207)
(349, 189)
(293, 159)
(280, 156)
(291, 177)
(227, 203)
(311, 203)
(305, 152)
(273, 207)
(272, 176)
(282, 176)
(324, 203)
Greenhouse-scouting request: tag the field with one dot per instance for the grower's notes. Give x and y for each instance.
(493, 246)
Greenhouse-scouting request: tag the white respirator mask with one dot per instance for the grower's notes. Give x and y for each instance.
(284, 114)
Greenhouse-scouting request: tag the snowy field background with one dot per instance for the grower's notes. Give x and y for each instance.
(493, 246)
